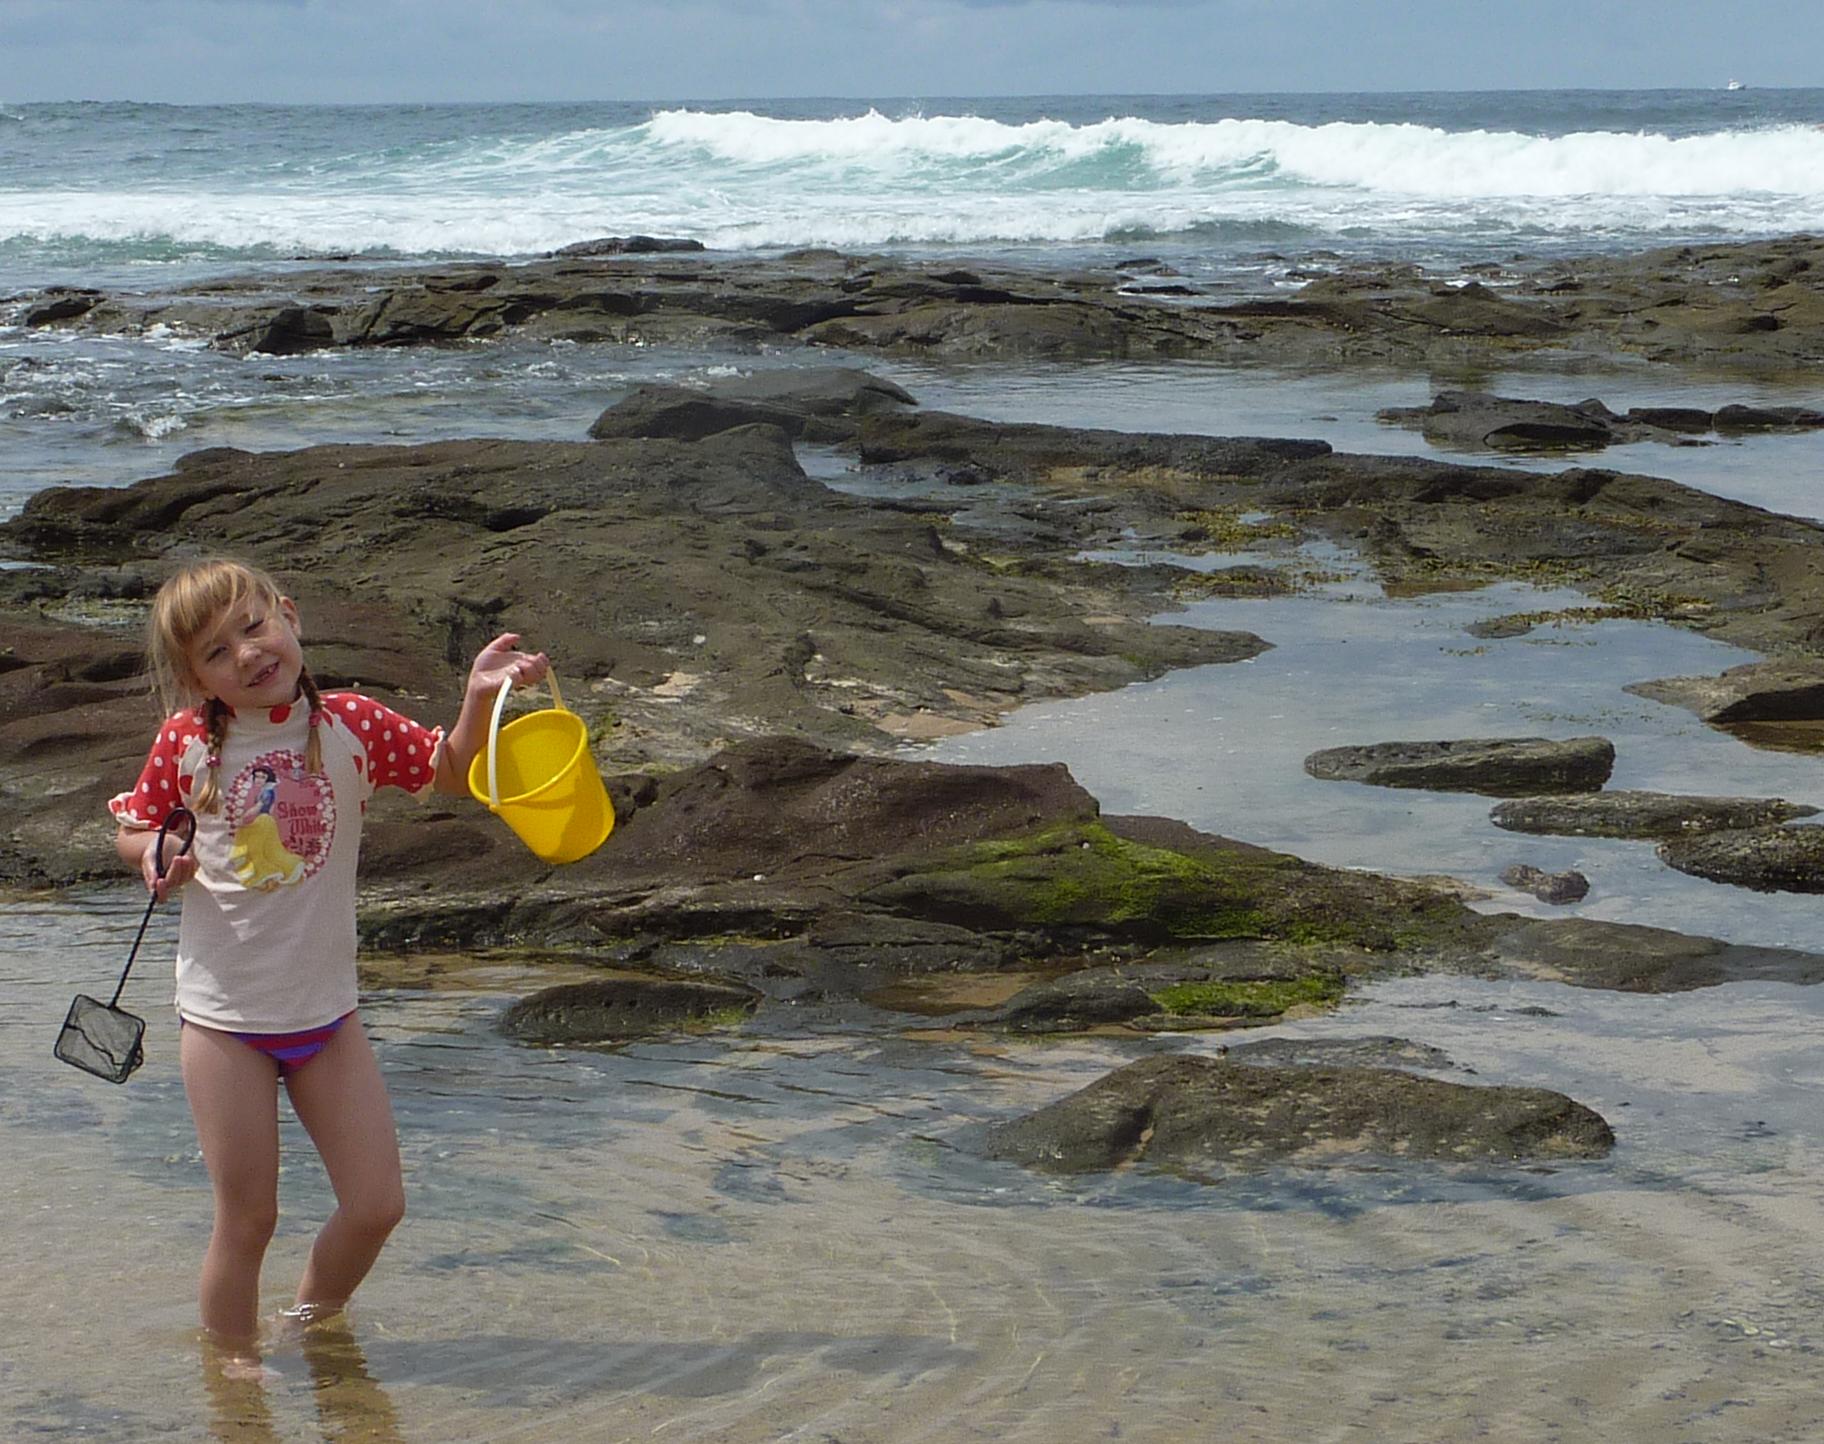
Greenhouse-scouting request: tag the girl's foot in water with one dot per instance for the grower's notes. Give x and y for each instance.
(235, 1360)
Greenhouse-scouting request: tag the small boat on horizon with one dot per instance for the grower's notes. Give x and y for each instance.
(1734, 85)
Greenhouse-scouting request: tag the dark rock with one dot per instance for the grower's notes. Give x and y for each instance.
(64, 305)
(1767, 859)
(287, 332)
(821, 405)
(1034, 452)
(777, 806)
(1476, 419)
(1148, 882)
(1642, 814)
(609, 1010)
(1671, 418)
(1768, 418)
(1495, 766)
(1752, 307)
(697, 593)
(1557, 888)
(628, 246)
(1588, 953)
(1198, 1116)
(1785, 690)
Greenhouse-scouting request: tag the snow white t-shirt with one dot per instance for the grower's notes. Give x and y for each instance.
(267, 939)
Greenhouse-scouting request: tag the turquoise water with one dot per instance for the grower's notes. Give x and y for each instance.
(128, 192)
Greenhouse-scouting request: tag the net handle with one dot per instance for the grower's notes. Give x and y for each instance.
(158, 862)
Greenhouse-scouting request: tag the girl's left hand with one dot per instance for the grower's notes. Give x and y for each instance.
(501, 661)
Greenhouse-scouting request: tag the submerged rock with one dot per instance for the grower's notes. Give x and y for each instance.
(608, 1010)
(1641, 814)
(1200, 1115)
(1767, 859)
(1224, 985)
(1495, 766)
(1557, 888)
(1378, 1051)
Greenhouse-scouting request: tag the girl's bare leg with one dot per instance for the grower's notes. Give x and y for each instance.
(234, 1100)
(340, 1098)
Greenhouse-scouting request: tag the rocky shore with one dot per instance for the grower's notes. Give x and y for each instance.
(752, 649)
(1747, 308)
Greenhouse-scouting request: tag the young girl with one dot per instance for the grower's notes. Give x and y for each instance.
(278, 775)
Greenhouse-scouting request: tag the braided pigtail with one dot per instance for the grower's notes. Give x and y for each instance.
(215, 723)
(313, 749)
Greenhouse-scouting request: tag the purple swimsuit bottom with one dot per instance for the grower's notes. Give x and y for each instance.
(291, 1051)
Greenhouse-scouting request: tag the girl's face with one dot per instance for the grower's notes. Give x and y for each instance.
(250, 658)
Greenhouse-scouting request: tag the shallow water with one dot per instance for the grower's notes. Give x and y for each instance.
(107, 411)
(779, 1233)
(1223, 747)
(1780, 472)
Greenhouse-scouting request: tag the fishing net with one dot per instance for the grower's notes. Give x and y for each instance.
(104, 1038)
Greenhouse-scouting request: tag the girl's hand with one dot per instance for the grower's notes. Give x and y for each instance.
(499, 661)
(178, 870)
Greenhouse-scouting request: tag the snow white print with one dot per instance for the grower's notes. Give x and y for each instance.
(283, 819)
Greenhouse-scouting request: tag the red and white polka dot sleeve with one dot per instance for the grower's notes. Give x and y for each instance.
(166, 779)
(395, 751)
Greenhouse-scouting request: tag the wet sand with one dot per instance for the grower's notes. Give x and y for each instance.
(781, 1234)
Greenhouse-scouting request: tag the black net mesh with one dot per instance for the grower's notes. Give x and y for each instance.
(101, 1040)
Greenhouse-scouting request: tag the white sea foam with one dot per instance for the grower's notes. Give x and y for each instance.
(1406, 159)
(739, 180)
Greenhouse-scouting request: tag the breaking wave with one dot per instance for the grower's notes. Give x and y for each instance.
(740, 180)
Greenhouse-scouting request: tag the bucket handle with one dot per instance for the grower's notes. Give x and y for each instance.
(500, 703)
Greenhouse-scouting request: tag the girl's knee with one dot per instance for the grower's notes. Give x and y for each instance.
(247, 1227)
(376, 1214)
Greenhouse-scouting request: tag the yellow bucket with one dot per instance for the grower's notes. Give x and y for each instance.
(537, 774)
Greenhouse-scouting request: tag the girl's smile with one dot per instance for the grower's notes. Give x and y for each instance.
(251, 657)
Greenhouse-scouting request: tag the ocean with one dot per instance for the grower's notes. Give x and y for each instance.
(156, 192)
(1234, 191)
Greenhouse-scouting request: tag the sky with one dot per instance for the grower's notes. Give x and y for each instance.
(334, 51)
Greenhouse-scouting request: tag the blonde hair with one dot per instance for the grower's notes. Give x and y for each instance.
(191, 602)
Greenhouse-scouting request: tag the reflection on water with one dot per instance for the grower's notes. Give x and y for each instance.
(780, 1233)
(351, 1407)
(1776, 471)
(1223, 747)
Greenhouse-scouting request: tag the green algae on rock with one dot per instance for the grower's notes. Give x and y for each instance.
(1122, 878)
(1248, 998)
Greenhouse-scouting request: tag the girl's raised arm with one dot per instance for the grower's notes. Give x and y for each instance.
(494, 665)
